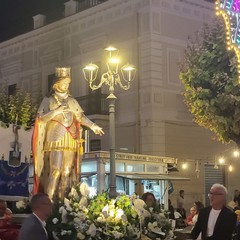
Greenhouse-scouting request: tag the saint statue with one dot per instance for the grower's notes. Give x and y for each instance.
(57, 138)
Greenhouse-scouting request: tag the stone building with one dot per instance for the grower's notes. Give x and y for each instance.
(151, 117)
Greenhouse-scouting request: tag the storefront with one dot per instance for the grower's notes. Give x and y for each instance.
(135, 173)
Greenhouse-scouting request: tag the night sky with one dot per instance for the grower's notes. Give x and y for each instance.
(16, 15)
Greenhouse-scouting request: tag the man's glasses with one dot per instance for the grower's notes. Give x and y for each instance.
(214, 194)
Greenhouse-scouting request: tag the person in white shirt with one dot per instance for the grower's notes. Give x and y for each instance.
(180, 204)
(216, 222)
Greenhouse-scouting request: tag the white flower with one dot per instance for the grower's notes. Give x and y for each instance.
(84, 190)
(153, 225)
(77, 220)
(74, 193)
(67, 204)
(139, 204)
(170, 234)
(133, 212)
(20, 204)
(81, 215)
(101, 219)
(55, 220)
(105, 211)
(66, 232)
(85, 210)
(161, 215)
(119, 213)
(63, 232)
(143, 213)
(117, 234)
(80, 236)
(92, 230)
(83, 202)
(63, 211)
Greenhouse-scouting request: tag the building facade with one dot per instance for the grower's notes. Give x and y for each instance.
(151, 117)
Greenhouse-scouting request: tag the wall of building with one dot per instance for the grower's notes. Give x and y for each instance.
(7, 139)
(151, 117)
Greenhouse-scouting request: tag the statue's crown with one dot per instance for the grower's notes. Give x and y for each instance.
(63, 72)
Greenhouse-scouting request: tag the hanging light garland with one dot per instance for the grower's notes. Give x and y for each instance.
(230, 11)
(219, 161)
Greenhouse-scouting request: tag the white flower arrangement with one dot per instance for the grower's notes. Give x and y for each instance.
(79, 217)
(21, 204)
(156, 225)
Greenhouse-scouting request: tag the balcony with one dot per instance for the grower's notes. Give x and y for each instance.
(94, 103)
(85, 4)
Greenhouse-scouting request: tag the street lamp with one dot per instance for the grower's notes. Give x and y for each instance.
(111, 78)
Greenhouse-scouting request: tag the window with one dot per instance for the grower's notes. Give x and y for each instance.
(12, 89)
(213, 175)
(95, 145)
(51, 79)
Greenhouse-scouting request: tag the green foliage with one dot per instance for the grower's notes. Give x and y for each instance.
(99, 217)
(209, 76)
(17, 109)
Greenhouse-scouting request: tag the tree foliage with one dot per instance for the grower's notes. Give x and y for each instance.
(19, 109)
(209, 76)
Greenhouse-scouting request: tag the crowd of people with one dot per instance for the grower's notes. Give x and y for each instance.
(218, 221)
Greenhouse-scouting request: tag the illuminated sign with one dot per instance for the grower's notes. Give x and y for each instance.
(230, 10)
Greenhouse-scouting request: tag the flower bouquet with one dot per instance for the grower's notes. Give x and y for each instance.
(82, 217)
(22, 206)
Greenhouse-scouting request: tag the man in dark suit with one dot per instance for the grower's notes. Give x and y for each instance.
(34, 226)
(216, 222)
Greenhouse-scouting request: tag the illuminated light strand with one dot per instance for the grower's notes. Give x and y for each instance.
(230, 11)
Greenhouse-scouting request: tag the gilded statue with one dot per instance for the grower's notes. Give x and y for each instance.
(57, 138)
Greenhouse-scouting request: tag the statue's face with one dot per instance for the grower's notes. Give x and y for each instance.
(62, 85)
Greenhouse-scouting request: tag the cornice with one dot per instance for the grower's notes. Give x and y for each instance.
(100, 15)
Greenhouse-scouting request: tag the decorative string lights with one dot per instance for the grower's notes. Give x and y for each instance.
(228, 158)
(230, 167)
(230, 11)
(184, 165)
(221, 160)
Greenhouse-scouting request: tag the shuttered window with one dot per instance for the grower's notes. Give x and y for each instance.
(213, 175)
(95, 145)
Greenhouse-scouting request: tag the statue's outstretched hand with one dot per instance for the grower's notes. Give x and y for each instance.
(97, 130)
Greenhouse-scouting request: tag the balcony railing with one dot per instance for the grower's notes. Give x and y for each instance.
(94, 104)
(85, 4)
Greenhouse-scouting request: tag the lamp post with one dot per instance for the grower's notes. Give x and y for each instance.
(111, 78)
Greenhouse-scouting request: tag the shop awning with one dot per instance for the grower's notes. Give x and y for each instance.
(149, 176)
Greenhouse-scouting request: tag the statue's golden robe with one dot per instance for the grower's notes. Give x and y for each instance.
(54, 134)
